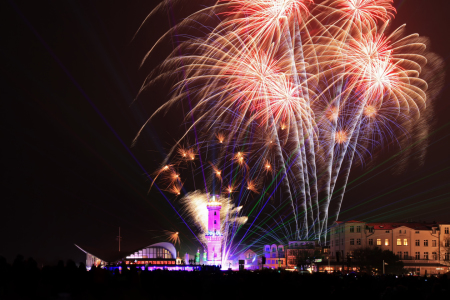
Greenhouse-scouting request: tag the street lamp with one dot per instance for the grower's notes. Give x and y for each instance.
(328, 264)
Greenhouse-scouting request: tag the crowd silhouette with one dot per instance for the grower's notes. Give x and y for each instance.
(24, 279)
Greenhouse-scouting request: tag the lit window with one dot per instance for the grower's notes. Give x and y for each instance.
(434, 255)
(417, 255)
(405, 242)
(358, 241)
(370, 242)
(358, 228)
(417, 242)
(425, 255)
(352, 228)
(433, 243)
(379, 242)
(425, 243)
(386, 242)
(399, 242)
(352, 241)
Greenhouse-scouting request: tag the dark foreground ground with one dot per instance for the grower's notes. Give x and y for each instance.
(24, 280)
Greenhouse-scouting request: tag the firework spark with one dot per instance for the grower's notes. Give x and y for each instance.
(172, 237)
(299, 87)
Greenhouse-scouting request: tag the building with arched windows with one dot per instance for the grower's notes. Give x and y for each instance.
(214, 235)
(274, 256)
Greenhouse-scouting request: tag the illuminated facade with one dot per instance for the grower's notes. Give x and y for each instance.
(421, 246)
(214, 235)
(298, 252)
(275, 256)
(159, 254)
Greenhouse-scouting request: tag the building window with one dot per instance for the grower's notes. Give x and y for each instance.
(352, 241)
(399, 242)
(447, 243)
(400, 231)
(337, 243)
(358, 241)
(447, 256)
(446, 230)
(379, 242)
(387, 231)
(425, 255)
(214, 213)
(342, 242)
(434, 254)
(405, 255)
(399, 254)
(405, 242)
(417, 231)
(417, 242)
(214, 221)
(267, 249)
(370, 242)
(358, 228)
(352, 228)
(425, 243)
(386, 242)
(433, 243)
(417, 255)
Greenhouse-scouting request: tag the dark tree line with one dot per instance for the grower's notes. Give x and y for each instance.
(370, 260)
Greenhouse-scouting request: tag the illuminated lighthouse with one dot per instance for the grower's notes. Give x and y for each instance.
(214, 235)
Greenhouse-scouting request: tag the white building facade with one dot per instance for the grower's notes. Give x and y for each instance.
(421, 246)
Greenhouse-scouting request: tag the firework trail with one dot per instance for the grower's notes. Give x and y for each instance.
(172, 237)
(285, 96)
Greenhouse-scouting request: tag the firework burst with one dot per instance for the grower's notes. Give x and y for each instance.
(294, 89)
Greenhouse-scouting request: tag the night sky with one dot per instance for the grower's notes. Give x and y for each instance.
(69, 76)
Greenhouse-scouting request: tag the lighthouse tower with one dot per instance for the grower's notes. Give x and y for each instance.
(214, 235)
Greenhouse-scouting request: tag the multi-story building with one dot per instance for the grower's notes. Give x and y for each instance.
(251, 260)
(275, 256)
(299, 252)
(290, 256)
(214, 235)
(421, 246)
